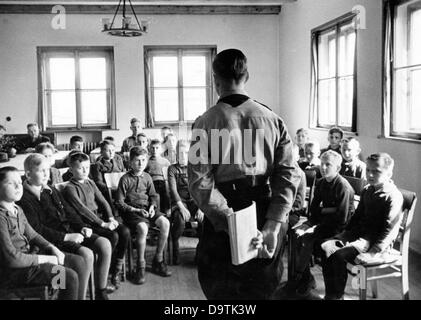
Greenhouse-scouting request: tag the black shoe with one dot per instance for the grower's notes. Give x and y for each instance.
(305, 285)
(110, 288)
(101, 294)
(160, 268)
(139, 276)
(115, 281)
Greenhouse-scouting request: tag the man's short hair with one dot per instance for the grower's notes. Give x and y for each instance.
(77, 157)
(332, 155)
(5, 170)
(337, 130)
(134, 120)
(74, 139)
(44, 145)
(137, 151)
(154, 142)
(384, 159)
(109, 138)
(105, 143)
(166, 128)
(32, 124)
(33, 160)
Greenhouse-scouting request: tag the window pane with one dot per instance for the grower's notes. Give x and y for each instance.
(194, 103)
(347, 39)
(415, 38)
(63, 108)
(165, 72)
(166, 104)
(194, 71)
(346, 94)
(93, 73)
(327, 54)
(94, 107)
(62, 73)
(416, 100)
(327, 102)
(400, 110)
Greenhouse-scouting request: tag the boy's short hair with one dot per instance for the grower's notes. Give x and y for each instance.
(351, 140)
(384, 159)
(105, 143)
(32, 124)
(74, 139)
(166, 128)
(142, 134)
(44, 145)
(137, 151)
(305, 131)
(33, 160)
(5, 170)
(337, 130)
(312, 144)
(77, 157)
(332, 155)
(154, 142)
(109, 138)
(134, 120)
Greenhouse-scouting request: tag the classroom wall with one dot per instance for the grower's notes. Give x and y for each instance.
(296, 21)
(256, 35)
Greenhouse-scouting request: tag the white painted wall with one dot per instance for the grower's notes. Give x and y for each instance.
(256, 35)
(296, 21)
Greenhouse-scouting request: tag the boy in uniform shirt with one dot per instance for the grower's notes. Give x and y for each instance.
(334, 137)
(351, 165)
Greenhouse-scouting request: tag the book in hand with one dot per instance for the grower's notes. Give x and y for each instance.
(242, 227)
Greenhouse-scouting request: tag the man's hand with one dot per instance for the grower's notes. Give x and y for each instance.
(270, 234)
(86, 232)
(200, 216)
(74, 237)
(184, 212)
(257, 242)
(151, 211)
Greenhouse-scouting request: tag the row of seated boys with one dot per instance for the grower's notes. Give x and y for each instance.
(348, 148)
(82, 221)
(338, 232)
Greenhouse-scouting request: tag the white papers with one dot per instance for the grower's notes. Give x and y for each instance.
(242, 227)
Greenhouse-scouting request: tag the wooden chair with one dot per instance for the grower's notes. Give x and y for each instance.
(394, 260)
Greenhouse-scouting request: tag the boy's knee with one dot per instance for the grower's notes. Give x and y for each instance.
(87, 255)
(163, 224)
(142, 229)
(125, 232)
(103, 245)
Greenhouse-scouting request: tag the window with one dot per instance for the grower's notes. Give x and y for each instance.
(404, 72)
(333, 74)
(179, 86)
(76, 88)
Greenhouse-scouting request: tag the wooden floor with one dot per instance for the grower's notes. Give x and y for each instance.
(183, 284)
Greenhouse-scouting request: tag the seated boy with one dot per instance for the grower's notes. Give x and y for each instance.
(170, 152)
(76, 144)
(312, 161)
(85, 197)
(142, 141)
(330, 211)
(68, 174)
(33, 138)
(53, 218)
(372, 229)
(351, 165)
(334, 137)
(19, 265)
(183, 206)
(107, 162)
(139, 206)
(47, 150)
(157, 168)
(301, 138)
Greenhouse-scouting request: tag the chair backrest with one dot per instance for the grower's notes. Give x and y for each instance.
(60, 186)
(112, 179)
(408, 209)
(357, 184)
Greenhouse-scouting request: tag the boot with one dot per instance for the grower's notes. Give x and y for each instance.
(115, 276)
(160, 268)
(101, 294)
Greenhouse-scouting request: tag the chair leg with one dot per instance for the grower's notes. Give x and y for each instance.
(362, 274)
(92, 286)
(405, 282)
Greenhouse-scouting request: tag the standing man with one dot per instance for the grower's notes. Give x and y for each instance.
(254, 162)
(131, 141)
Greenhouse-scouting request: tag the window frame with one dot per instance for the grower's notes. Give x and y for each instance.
(389, 87)
(336, 25)
(44, 112)
(181, 51)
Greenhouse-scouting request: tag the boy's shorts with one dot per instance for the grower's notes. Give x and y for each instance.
(132, 220)
(31, 276)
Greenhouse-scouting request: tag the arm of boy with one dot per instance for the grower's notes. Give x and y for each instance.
(56, 252)
(184, 211)
(101, 201)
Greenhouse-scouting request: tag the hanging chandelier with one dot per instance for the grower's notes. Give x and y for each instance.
(127, 29)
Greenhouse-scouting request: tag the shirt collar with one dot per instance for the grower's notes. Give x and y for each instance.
(35, 191)
(136, 175)
(7, 212)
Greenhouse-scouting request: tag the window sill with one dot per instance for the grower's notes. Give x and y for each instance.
(400, 139)
(347, 133)
(62, 130)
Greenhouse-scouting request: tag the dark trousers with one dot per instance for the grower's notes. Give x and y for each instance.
(119, 239)
(255, 279)
(178, 224)
(164, 201)
(335, 273)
